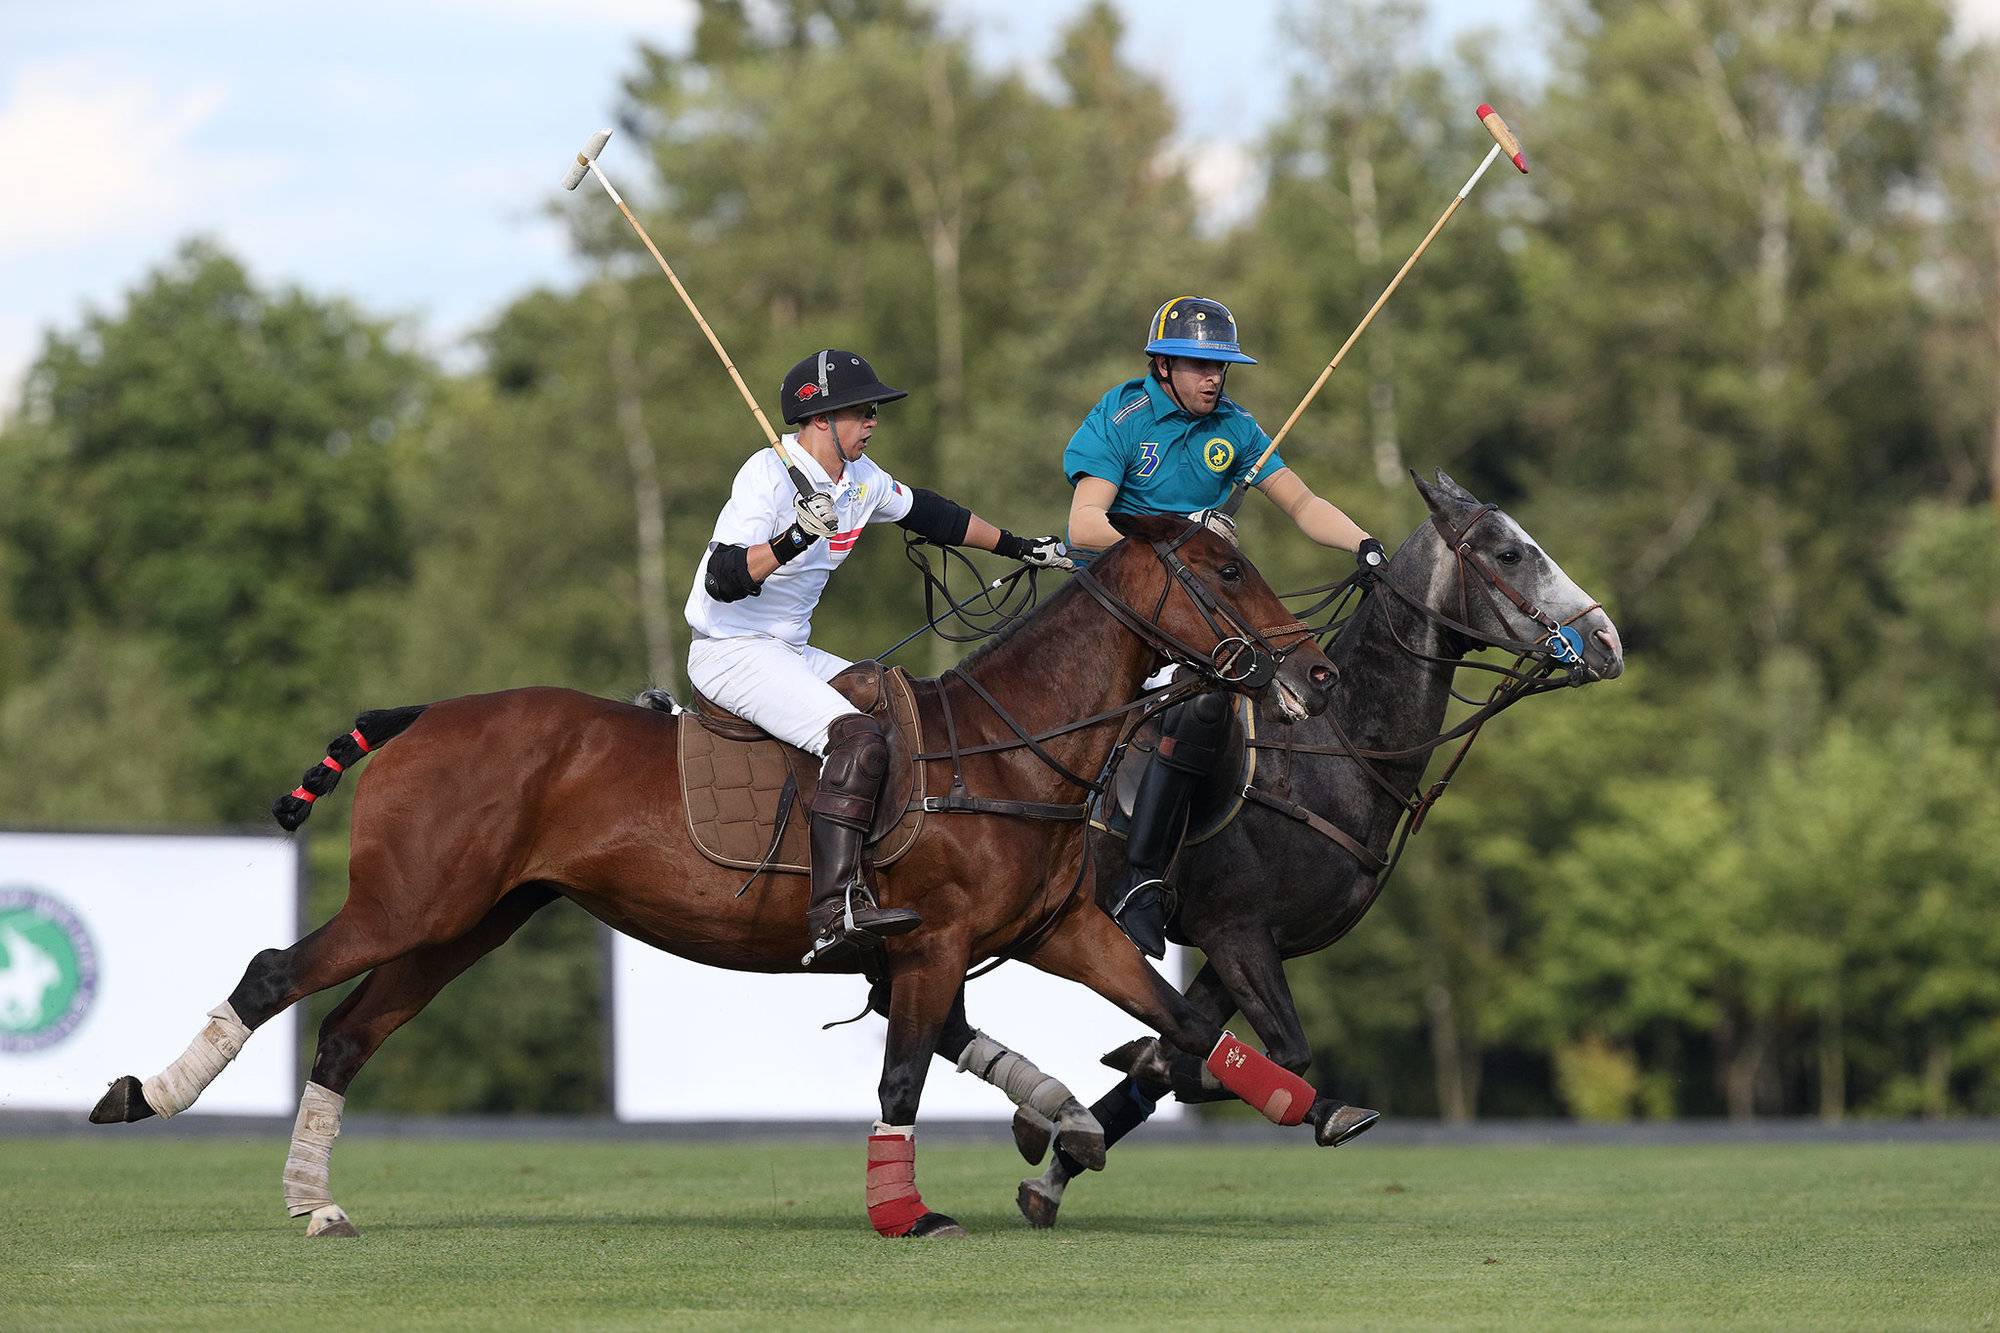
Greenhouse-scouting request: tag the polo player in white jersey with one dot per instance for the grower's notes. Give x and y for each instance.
(782, 534)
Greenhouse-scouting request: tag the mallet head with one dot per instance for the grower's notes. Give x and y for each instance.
(1501, 135)
(588, 156)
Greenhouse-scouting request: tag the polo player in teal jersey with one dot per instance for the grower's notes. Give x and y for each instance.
(1170, 442)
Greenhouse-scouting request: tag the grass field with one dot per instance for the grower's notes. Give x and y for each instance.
(122, 1231)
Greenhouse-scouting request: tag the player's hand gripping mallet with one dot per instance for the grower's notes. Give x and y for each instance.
(586, 163)
(1503, 141)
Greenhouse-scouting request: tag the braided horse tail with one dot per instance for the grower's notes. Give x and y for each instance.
(372, 730)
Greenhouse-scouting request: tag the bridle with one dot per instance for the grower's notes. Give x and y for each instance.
(1554, 662)
(1244, 656)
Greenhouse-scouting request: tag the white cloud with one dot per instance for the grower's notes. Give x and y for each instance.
(1979, 19)
(92, 153)
(1227, 180)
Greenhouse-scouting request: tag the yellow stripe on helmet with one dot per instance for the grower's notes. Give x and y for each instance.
(1160, 324)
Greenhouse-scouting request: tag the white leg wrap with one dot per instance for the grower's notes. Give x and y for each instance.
(1014, 1075)
(900, 1131)
(174, 1088)
(308, 1186)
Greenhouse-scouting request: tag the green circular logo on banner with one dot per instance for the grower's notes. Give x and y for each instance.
(48, 970)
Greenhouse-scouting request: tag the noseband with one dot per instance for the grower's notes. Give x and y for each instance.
(1563, 646)
(1243, 656)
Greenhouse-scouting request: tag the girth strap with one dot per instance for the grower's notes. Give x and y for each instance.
(1368, 859)
(957, 802)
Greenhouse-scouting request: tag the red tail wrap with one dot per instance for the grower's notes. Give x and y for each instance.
(359, 739)
(302, 794)
(893, 1202)
(1281, 1096)
(334, 764)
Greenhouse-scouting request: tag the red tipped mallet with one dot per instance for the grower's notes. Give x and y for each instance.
(1503, 141)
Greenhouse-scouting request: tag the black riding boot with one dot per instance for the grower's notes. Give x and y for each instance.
(843, 915)
(1189, 736)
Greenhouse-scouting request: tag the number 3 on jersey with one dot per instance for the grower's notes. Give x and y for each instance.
(1149, 459)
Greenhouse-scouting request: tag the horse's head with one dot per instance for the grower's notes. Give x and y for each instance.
(1486, 572)
(1199, 601)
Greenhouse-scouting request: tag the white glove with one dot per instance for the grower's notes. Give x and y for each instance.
(1217, 522)
(815, 514)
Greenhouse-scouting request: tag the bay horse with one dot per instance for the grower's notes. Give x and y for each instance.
(486, 808)
(1275, 883)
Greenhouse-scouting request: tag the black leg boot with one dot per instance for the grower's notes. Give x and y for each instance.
(1189, 735)
(843, 915)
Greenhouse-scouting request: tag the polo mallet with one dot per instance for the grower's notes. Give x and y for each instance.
(1503, 141)
(586, 162)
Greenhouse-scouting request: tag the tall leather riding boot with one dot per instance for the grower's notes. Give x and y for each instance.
(843, 915)
(1189, 736)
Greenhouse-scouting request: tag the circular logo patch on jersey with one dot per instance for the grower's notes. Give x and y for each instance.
(48, 970)
(1218, 453)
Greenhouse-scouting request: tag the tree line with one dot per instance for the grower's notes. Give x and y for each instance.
(1730, 354)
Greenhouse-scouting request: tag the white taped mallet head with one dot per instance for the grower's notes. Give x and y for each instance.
(585, 158)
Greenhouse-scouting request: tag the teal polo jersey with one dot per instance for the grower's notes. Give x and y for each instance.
(1161, 459)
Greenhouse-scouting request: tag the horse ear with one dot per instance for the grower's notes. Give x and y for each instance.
(1450, 488)
(1431, 501)
(1146, 527)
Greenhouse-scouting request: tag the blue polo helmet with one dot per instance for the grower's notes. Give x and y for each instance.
(1195, 326)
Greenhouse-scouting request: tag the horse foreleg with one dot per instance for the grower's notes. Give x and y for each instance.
(1128, 1105)
(1044, 1109)
(1089, 948)
(927, 974)
(389, 997)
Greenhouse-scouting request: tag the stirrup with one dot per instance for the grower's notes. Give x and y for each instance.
(1133, 892)
(844, 932)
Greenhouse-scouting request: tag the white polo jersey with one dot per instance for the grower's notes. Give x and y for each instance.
(760, 507)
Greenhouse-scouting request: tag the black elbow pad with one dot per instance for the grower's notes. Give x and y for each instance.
(728, 578)
(935, 518)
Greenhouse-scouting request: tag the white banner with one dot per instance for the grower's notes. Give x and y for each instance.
(114, 947)
(698, 1043)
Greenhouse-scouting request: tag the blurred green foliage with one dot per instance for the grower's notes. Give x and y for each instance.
(1729, 353)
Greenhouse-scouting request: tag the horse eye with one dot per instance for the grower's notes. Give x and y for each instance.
(1231, 572)
(1511, 556)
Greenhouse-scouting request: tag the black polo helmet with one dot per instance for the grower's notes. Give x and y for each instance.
(828, 380)
(1194, 326)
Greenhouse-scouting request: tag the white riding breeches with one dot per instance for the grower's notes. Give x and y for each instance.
(769, 682)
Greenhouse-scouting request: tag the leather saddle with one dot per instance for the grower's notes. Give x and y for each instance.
(1217, 798)
(746, 793)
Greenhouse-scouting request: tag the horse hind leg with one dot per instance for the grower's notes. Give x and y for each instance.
(342, 949)
(389, 997)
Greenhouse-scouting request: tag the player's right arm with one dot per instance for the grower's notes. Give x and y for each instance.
(741, 553)
(1094, 464)
(1090, 513)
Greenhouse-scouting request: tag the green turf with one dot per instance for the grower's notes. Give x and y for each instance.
(123, 1229)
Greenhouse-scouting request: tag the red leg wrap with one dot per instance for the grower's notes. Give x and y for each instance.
(893, 1202)
(1280, 1095)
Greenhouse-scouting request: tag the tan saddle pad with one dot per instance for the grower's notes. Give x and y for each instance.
(733, 773)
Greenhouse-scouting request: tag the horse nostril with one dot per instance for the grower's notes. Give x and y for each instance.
(1321, 676)
(1609, 638)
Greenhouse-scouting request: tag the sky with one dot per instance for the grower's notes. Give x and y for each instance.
(406, 155)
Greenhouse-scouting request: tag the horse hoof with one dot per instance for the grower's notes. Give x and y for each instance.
(1037, 1204)
(1127, 1057)
(1344, 1125)
(935, 1226)
(330, 1221)
(1031, 1134)
(122, 1103)
(1081, 1139)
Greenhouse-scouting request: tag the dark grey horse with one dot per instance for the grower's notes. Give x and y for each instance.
(1271, 887)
